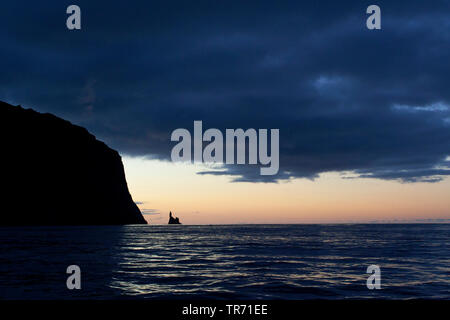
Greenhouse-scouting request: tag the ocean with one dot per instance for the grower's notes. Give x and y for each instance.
(226, 261)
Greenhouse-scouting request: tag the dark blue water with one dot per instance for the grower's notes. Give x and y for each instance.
(226, 262)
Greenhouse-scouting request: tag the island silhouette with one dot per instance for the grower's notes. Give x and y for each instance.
(57, 173)
(173, 220)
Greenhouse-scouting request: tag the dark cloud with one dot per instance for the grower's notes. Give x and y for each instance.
(432, 220)
(373, 104)
(150, 211)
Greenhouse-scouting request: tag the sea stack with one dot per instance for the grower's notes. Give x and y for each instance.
(57, 173)
(173, 220)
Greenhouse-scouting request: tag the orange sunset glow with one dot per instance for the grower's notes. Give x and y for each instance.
(202, 199)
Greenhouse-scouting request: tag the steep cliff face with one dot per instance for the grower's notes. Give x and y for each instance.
(56, 173)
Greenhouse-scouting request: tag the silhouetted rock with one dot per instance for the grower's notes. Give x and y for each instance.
(56, 173)
(173, 220)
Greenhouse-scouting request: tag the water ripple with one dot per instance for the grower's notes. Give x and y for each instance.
(226, 262)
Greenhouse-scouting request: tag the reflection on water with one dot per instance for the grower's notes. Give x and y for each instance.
(226, 262)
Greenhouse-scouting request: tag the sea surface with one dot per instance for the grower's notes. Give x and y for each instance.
(226, 261)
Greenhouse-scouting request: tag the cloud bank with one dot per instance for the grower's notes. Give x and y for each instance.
(369, 104)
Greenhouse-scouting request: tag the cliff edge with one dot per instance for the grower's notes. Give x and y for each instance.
(57, 173)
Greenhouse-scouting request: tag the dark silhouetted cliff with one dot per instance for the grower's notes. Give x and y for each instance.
(56, 173)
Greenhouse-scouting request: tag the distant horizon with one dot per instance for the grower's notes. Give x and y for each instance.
(305, 223)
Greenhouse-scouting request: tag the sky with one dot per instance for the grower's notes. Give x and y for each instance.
(364, 115)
